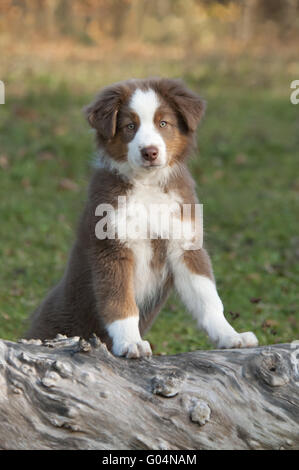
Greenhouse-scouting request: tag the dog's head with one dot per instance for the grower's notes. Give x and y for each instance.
(147, 124)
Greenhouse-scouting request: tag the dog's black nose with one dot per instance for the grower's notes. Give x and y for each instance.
(150, 153)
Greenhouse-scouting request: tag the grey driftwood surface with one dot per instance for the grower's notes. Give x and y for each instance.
(71, 394)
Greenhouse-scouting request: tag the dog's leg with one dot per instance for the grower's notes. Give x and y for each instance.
(126, 338)
(114, 291)
(193, 279)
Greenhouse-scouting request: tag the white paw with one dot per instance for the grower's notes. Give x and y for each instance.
(133, 350)
(239, 340)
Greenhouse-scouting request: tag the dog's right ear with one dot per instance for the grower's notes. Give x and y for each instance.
(102, 112)
(189, 106)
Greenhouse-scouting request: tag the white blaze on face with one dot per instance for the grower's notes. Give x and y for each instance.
(145, 104)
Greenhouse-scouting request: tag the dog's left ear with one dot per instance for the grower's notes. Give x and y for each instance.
(102, 112)
(188, 104)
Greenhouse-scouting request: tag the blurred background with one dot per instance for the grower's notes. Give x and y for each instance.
(241, 56)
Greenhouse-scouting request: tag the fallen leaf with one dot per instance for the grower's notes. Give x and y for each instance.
(4, 164)
(258, 310)
(45, 156)
(218, 174)
(295, 186)
(255, 300)
(19, 271)
(234, 315)
(26, 113)
(241, 159)
(26, 183)
(61, 130)
(16, 291)
(292, 320)
(269, 323)
(254, 276)
(68, 185)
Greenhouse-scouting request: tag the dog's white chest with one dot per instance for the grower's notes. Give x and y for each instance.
(146, 213)
(147, 280)
(142, 217)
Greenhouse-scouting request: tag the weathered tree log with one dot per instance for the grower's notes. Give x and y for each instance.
(71, 394)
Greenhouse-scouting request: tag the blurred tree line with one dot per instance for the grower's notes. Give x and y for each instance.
(152, 21)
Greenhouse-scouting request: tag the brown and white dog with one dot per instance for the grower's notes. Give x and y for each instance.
(113, 286)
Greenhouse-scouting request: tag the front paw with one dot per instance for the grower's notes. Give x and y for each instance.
(239, 340)
(133, 350)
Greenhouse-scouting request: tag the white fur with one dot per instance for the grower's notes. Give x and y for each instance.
(126, 339)
(146, 213)
(147, 207)
(149, 212)
(200, 295)
(159, 206)
(146, 280)
(151, 176)
(145, 104)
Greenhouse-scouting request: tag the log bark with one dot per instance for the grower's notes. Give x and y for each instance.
(71, 394)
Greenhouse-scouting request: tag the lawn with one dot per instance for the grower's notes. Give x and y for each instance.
(246, 171)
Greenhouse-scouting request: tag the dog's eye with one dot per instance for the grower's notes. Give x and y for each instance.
(163, 123)
(131, 126)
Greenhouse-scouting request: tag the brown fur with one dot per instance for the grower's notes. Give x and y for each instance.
(97, 287)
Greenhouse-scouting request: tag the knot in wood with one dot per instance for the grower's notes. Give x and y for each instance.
(200, 412)
(169, 384)
(84, 346)
(272, 368)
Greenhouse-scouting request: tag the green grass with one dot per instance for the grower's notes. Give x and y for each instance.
(247, 176)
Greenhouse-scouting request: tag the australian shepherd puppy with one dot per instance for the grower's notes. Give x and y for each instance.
(117, 280)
